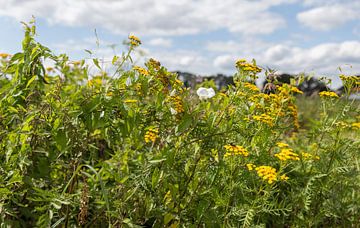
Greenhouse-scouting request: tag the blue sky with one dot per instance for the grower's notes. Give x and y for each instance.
(199, 36)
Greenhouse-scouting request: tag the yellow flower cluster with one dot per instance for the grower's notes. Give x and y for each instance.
(284, 177)
(95, 82)
(251, 87)
(282, 145)
(295, 90)
(151, 135)
(284, 89)
(141, 70)
(154, 64)
(287, 154)
(235, 150)
(294, 113)
(134, 41)
(4, 55)
(351, 79)
(265, 118)
(267, 173)
(356, 125)
(178, 104)
(250, 166)
(328, 94)
(307, 156)
(247, 67)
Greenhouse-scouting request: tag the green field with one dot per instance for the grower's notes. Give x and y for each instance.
(135, 148)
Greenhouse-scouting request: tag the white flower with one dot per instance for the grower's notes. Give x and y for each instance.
(205, 93)
(173, 111)
(128, 81)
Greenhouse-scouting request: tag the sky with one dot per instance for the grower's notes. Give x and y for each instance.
(199, 36)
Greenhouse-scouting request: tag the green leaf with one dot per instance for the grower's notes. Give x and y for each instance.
(96, 62)
(186, 122)
(31, 80)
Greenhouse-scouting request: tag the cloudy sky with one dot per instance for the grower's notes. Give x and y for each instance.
(199, 36)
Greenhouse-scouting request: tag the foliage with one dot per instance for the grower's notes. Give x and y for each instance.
(137, 149)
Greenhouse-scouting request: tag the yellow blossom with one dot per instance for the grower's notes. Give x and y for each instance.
(328, 94)
(307, 156)
(134, 41)
(251, 87)
(235, 150)
(282, 145)
(130, 101)
(95, 82)
(287, 154)
(356, 125)
(284, 177)
(267, 173)
(265, 119)
(177, 103)
(151, 135)
(141, 70)
(250, 166)
(4, 55)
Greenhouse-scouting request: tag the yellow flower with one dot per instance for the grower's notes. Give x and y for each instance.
(356, 125)
(287, 154)
(154, 64)
(134, 41)
(307, 156)
(250, 166)
(295, 90)
(178, 104)
(151, 135)
(251, 87)
(267, 173)
(284, 177)
(265, 119)
(4, 55)
(242, 65)
(130, 101)
(235, 150)
(282, 145)
(141, 70)
(328, 94)
(95, 82)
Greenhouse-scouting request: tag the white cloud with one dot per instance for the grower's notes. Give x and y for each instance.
(321, 59)
(327, 17)
(158, 17)
(161, 42)
(225, 62)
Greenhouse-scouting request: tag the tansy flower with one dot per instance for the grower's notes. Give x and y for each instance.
(141, 70)
(282, 145)
(251, 87)
(287, 154)
(178, 105)
(284, 177)
(328, 94)
(235, 150)
(307, 156)
(267, 173)
(130, 101)
(4, 55)
(134, 41)
(250, 166)
(265, 119)
(151, 135)
(356, 125)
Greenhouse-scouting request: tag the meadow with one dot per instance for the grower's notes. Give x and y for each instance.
(135, 148)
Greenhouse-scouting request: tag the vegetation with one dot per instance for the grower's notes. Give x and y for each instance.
(135, 148)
